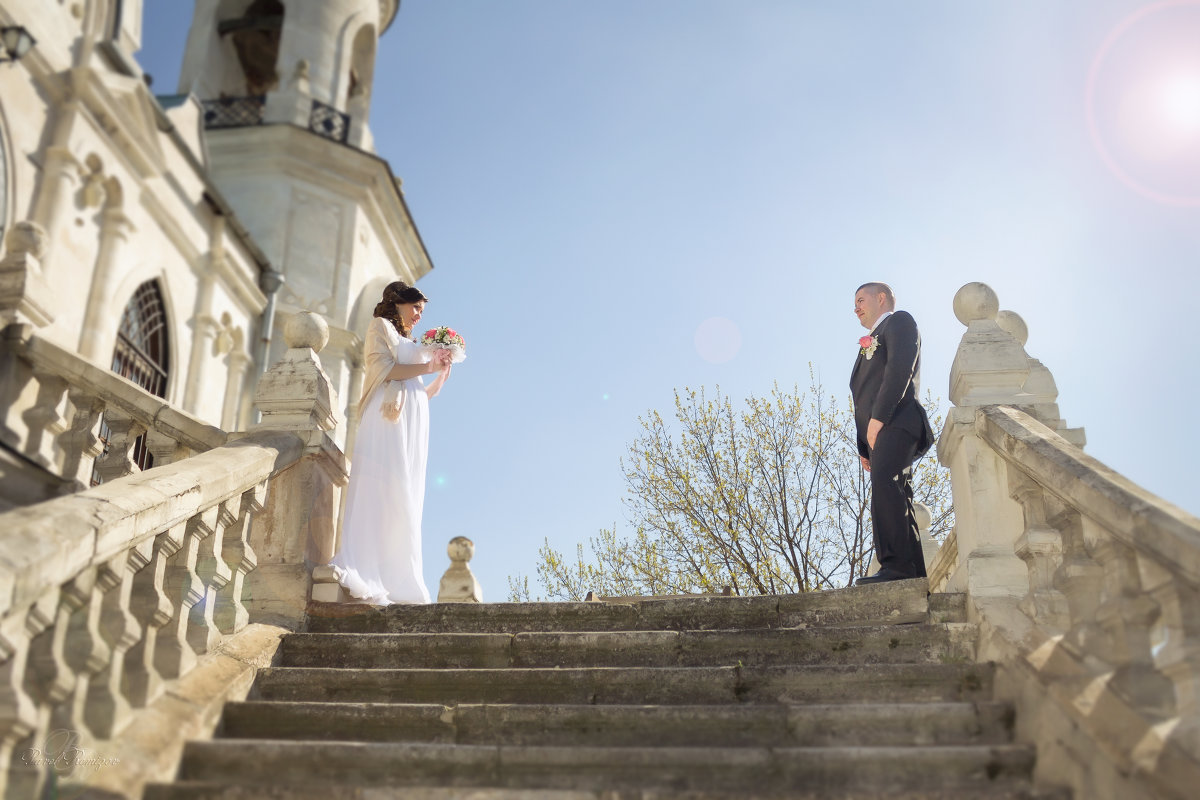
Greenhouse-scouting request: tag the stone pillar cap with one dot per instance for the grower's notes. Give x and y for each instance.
(306, 329)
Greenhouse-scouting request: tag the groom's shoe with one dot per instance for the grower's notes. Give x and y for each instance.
(883, 576)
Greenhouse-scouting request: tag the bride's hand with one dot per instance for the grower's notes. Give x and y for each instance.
(442, 360)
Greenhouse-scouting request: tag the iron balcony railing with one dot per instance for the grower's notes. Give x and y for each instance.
(234, 112)
(327, 121)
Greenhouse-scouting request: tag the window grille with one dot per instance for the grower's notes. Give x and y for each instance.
(141, 356)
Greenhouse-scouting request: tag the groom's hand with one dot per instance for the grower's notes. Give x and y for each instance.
(865, 462)
(873, 429)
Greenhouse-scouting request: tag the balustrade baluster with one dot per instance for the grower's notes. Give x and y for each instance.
(151, 605)
(108, 709)
(86, 651)
(18, 709)
(1127, 614)
(215, 575)
(231, 614)
(1040, 547)
(164, 448)
(173, 655)
(117, 460)
(81, 443)
(44, 420)
(1080, 578)
(1178, 654)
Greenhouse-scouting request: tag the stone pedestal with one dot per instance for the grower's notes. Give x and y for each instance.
(459, 585)
(297, 527)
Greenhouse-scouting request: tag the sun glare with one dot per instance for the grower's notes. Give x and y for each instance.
(1179, 102)
(1143, 102)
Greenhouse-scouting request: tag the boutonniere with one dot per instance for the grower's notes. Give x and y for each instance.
(867, 345)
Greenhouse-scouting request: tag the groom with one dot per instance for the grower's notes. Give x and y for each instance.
(893, 430)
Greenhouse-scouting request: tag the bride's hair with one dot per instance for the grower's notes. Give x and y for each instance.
(398, 292)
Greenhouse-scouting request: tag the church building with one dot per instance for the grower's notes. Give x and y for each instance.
(166, 239)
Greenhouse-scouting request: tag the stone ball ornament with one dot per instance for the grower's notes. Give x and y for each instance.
(975, 301)
(1011, 323)
(460, 549)
(306, 329)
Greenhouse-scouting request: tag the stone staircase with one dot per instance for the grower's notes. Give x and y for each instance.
(852, 693)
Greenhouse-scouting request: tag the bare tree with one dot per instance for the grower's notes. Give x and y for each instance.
(768, 499)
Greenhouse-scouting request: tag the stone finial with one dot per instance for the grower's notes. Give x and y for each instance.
(991, 366)
(975, 301)
(459, 585)
(306, 329)
(295, 393)
(1011, 323)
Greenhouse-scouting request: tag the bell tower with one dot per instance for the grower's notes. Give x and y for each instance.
(271, 51)
(285, 87)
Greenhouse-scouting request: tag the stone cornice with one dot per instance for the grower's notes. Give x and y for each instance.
(362, 177)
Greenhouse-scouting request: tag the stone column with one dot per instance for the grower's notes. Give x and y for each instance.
(238, 362)
(95, 339)
(295, 530)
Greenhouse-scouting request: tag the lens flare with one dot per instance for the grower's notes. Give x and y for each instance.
(1143, 102)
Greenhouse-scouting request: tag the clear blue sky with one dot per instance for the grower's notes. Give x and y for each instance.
(596, 180)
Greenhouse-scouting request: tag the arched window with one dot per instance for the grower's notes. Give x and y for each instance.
(141, 356)
(141, 351)
(255, 36)
(362, 66)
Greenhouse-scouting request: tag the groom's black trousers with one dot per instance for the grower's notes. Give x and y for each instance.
(894, 523)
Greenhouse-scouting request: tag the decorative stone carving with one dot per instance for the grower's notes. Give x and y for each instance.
(26, 239)
(24, 293)
(296, 394)
(459, 585)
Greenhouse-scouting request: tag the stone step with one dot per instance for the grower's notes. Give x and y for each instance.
(862, 645)
(273, 762)
(880, 604)
(897, 724)
(197, 790)
(871, 683)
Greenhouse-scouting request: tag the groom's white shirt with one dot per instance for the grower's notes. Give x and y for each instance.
(882, 317)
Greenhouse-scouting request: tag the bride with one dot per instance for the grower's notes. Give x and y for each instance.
(380, 557)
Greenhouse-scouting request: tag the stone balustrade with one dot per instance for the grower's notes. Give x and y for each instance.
(111, 595)
(1086, 586)
(53, 403)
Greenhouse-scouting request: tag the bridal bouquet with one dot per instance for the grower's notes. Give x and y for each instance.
(444, 338)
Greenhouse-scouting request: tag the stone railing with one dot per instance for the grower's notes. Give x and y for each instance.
(113, 599)
(51, 405)
(1086, 587)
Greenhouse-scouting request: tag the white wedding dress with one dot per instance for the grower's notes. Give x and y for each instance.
(379, 560)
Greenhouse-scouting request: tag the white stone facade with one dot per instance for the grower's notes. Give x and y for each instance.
(104, 187)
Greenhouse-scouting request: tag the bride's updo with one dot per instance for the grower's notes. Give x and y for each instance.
(398, 292)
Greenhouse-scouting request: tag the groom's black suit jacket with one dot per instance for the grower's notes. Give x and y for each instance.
(885, 386)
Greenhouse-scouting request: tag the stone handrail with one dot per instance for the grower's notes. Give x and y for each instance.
(114, 594)
(109, 593)
(1086, 587)
(53, 402)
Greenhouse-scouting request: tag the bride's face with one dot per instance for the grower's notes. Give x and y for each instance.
(410, 313)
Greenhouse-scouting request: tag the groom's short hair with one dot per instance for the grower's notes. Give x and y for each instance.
(875, 287)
